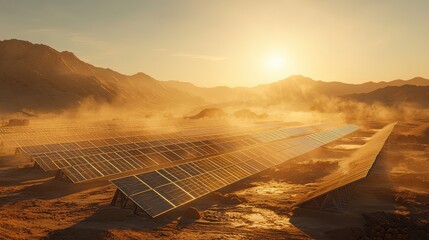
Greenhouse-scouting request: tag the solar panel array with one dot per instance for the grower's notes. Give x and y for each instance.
(147, 155)
(47, 127)
(87, 147)
(108, 160)
(36, 130)
(159, 191)
(108, 139)
(16, 137)
(360, 164)
(66, 129)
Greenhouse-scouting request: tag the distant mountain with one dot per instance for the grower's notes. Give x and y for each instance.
(220, 94)
(39, 78)
(338, 88)
(395, 96)
(292, 90)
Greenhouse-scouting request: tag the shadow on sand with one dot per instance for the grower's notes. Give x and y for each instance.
(108, 218)
(32, 183)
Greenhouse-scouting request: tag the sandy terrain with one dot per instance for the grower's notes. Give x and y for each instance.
(392, 203)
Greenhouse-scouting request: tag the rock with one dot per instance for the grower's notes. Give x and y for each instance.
(209, 113)
(191, 213)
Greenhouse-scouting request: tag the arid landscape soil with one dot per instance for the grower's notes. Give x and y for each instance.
(392, 203)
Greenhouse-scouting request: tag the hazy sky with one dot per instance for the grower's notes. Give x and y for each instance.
(233, 42)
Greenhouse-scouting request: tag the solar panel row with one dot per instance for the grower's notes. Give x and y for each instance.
(114, 143)
(112, 139)
(40, 140)
(56, 156)
(10, 134)
(359, 165)
(84, 168)
(24, 132)
(55, 126)
(52, 154)
(157, 192)
(145, 154)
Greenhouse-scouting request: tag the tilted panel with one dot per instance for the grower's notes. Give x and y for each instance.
(357, 168)
(158, 153)
(15, 139)
(153, 153)
(185, 182)
(57, 142)
(115, 163)
(210, 144)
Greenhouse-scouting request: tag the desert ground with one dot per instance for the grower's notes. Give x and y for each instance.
(391, 203)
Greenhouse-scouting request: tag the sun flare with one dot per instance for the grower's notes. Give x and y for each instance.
(275, 62)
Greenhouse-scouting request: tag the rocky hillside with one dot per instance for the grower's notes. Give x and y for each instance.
(39, 78)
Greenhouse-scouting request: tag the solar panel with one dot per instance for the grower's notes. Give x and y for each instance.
(31, 147)
(157, 154)
(127, 160)
(55, 128)
(95, 142)
(359, 165)
(14, 137)
(174, 186)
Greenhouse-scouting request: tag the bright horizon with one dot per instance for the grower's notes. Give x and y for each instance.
(233, 43)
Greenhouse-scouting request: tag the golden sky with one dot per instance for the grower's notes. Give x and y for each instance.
(233, 42)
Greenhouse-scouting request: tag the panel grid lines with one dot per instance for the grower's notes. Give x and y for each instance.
(15, 137)
(129, 156)
(228, 170)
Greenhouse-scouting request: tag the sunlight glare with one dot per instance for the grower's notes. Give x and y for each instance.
(275, 62)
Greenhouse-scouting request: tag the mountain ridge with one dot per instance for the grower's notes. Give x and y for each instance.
(294, 89)
(40, 78)
(37, 77)
(395, 96)
(412, 81)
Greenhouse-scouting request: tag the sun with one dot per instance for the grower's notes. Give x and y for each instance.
(275, 62)
(274, 65)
